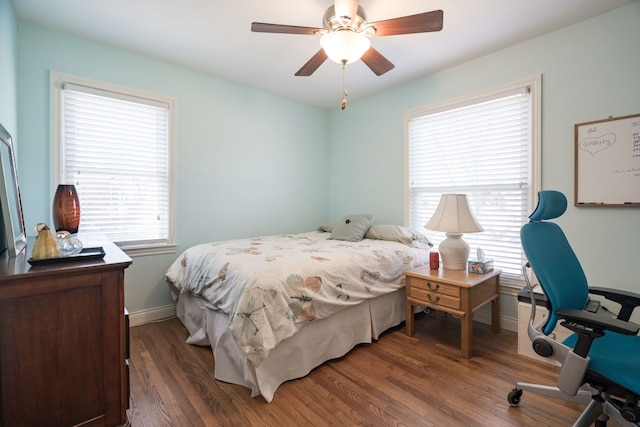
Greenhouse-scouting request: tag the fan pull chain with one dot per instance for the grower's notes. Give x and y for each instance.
(343, 104)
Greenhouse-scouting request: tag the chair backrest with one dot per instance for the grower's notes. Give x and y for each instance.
(552, 258)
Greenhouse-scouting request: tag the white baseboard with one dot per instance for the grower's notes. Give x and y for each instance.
(152, 315)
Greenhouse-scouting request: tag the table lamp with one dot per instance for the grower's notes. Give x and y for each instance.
(454, 217)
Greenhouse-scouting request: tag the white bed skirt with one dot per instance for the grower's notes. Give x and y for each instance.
(295, 357)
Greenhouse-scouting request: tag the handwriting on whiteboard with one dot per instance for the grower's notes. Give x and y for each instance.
(594, 144)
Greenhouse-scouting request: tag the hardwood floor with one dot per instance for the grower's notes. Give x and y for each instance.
(395, 381)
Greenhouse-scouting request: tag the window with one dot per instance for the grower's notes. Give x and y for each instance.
(487, 146)
(115, 145)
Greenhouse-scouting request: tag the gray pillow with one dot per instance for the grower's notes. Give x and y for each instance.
(328, 226)
(352, 228)
(397, 233)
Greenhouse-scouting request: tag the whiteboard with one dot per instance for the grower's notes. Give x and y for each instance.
(607, 162)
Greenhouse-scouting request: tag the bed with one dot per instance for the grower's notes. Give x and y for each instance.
(273, 308)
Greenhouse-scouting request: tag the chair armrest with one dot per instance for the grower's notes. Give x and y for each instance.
(585, 319)
(590, 326)
(628, 300)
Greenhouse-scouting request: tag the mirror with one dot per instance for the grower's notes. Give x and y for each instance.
(10, 203)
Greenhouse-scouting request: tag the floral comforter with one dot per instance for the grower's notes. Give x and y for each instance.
(272, 286)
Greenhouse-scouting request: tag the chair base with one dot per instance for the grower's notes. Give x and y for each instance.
(599, 409)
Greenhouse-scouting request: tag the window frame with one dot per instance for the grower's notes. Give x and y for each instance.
(535, 168)
(57, 82)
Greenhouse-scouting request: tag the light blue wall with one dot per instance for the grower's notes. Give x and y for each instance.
(251, 163)
(589, 71)
(8, 68)
(248, 163)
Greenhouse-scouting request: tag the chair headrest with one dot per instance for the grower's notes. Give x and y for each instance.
(551, 204)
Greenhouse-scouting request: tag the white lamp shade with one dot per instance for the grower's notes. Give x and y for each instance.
(454, 216)
(344, 45)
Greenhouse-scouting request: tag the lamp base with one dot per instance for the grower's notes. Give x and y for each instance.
(454, 252)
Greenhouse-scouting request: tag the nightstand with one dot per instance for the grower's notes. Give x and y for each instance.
(456, 292)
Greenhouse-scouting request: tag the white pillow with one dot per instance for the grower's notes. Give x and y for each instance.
(398, 233)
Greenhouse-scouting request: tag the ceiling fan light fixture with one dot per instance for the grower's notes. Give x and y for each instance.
(344, 46)
(345, 34)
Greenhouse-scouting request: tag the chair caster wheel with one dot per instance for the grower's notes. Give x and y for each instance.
(630, 414)
(514, 397)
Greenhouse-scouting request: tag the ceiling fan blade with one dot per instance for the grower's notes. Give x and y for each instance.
(420, 23)
(262, 27)
(378, 63)
(312, 65)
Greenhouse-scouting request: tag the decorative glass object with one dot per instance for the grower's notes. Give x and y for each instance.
(68, 245)
(66, 209)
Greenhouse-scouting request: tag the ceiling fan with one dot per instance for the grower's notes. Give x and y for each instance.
(346, 32)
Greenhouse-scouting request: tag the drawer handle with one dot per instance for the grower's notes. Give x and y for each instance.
(432, 298)
(432, 287)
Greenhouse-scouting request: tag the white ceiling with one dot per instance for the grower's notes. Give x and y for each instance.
(214, 37)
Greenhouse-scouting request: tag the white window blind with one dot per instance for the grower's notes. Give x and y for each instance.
(481, 147)
(115, 148)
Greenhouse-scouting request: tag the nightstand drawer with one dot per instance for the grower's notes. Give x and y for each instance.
(433, 298)
(435, 287)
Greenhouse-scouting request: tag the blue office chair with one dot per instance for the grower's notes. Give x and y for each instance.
(601, 359)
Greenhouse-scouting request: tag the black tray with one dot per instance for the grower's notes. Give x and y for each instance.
(84, 255)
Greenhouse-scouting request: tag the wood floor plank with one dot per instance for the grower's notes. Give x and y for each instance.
(188, 376)
(164, 404)
(304, 391)
(395, 381)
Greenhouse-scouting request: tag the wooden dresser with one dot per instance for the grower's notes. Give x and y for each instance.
(63, 341)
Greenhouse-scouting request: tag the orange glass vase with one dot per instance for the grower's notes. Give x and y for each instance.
(66, 209)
